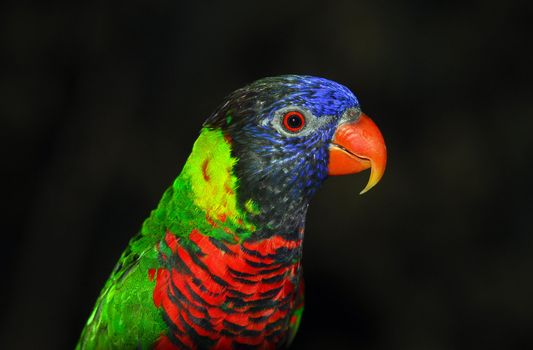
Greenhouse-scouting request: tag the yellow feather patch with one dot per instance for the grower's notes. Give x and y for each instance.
(209, 169)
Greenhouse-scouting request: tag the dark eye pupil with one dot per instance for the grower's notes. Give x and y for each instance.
(294, 121)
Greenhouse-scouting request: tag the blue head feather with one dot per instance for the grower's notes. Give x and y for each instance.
(321, 96)
(277, 170)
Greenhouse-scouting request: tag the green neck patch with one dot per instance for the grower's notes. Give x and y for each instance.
(203, 197)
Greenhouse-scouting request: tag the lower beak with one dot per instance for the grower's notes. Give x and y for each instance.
(357, 146)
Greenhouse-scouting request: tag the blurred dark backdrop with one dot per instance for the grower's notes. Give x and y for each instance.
(100, 103)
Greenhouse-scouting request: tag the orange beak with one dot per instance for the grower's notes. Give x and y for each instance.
(357, 146)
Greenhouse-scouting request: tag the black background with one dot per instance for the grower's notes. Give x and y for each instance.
(101, 101)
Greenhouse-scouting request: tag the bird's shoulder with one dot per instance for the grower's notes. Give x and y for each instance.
(125, 305)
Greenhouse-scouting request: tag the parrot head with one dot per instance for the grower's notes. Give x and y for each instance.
(289, 133)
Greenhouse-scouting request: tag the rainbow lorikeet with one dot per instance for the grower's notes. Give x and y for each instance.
(217, 263)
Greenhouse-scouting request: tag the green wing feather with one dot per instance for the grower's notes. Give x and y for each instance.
(125, 306)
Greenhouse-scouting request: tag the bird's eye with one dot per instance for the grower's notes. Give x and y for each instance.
(293, 121)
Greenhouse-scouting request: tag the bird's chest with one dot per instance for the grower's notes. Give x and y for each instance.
(216, 295)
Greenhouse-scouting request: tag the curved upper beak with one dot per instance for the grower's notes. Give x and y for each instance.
(357, 146)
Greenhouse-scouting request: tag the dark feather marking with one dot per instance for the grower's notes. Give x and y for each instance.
(271, 293)
(262, 265)
(274, 279)
(260, 319)
(250, 333)
(233, 327)
(221, 245)
(170, 324)
(240, 274)
(197, 297)
(276, 324)
(176, 291)
(174, 340)
(244, 281)
(202, 322)
(195, 259)
(258, 308)
(202, 342)
(200, 285)
(227, 333)
(239, 294)
(254, 305)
